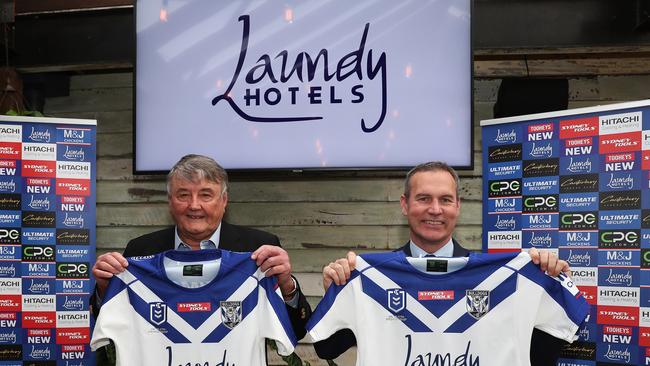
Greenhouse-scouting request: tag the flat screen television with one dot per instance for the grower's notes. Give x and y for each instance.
(303, 84)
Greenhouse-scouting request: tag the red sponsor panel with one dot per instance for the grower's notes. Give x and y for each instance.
(579, 127)
(617, 329)
(72, 335)
(38, 182)
(436, 295)
(590, 293)
(187, 307)
(622, 142)
(583, 141)
(613, 158)
(7, 164)
(504, 250)
(39, 168)
(72, 348)
(543, 127)
(645, 160)
(10, 302)
(46, 332)
(644, 337)
(73, 199)
(8, 316)
(39, 319)
(79, 187)
(10, 150)
(618, 315)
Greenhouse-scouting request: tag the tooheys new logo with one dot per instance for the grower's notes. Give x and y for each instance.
(619, 239)
(497, 154)
(10, 201)
(629, 200)
(579, 183)
(579, 220)
(545, 203)
(39, 219)
(504, 188)
(301, 81)
(72, 270)
(541, 168)
(38, 253)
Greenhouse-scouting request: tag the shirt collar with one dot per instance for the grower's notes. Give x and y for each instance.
(211, 243)
(446, 250)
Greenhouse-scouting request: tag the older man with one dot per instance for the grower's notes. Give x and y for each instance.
(197, 189)
(431, 204)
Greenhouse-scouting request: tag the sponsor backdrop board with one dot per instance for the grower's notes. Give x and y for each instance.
(303, 84)
(578, 182)
(47, 239)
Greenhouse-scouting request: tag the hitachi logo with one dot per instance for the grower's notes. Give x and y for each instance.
(63, 166)
(619, 120)
(40, 149)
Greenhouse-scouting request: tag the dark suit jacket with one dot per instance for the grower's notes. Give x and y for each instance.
(544, 350)
(233, 238)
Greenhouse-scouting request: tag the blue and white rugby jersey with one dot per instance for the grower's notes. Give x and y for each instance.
(207, 307)
(482, 314)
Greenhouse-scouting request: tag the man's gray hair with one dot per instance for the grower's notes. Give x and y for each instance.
(431, 166)
(194, 167)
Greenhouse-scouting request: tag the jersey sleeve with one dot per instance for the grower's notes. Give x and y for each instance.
(562, 309)
(111, 320)
(333, 313)
(274, 317)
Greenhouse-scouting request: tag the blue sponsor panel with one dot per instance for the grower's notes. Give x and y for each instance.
(40, 352)
(504, 222)
(502, 135)
(618, 334)
(38, 286)
(10, 252)
(38, 186)
(10, 334)
(619, 277)
(71, 302)
(72, 253)
(72, 286)
(620, 162)
(507, 170)
(581, 146)
(10, 269)
(84, 362)
(539, 221)
(619, 219)
(39, 236)
(645, 292)
(71, 203)
(73, 220)
(617, 353)
(541, 239)
(38, 269)
(541, 149)
(644, 352)
(10, 168)
(574, 362)
(645, 197)
(621, 258)
(587, 331)
(584, 164)
(10, 184)
(579, 201)
(37, 132)
(74, 153)
(39, 335)
(10, 218)
(74, 352)
(540, 185)
(645, 238)
(579, 257)
(75, 135)
(644, 275)
(620, 181)
(578, 238)
(39, 202)
(505, 204)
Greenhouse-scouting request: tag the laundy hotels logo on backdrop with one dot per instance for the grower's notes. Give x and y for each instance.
(279, 81)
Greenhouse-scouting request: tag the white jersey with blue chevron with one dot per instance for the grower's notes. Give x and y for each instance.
(203, 307)
(474, 311)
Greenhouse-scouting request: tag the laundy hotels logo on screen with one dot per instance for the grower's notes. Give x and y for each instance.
(278, 81)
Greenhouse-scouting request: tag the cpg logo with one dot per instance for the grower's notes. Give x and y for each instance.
(10, 236)
(546, 203)
(619, 239)
(396, 298)
(503, 188)
(578, 221)
(33, 253)
(72, 270)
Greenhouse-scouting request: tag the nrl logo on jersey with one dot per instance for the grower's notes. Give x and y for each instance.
(230, 313)
(478, 303)
(158, 312)
(396, 299)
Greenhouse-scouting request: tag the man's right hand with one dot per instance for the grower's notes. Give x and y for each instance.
(339, 270)
(105, 267)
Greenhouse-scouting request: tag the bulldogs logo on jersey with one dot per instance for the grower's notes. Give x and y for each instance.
(230, 313)
(478, 303)
(158, 312)
(396, 299)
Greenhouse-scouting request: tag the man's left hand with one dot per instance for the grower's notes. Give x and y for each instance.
(549, 262)
(275, 261)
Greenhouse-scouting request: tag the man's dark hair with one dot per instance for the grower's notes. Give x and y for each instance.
(431, 166)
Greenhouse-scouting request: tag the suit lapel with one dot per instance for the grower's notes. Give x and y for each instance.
(229, 238)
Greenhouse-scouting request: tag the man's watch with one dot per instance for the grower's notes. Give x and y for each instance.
(293, 292)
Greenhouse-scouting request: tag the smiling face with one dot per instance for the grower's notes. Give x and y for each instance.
(197, 208)
(431, 208)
